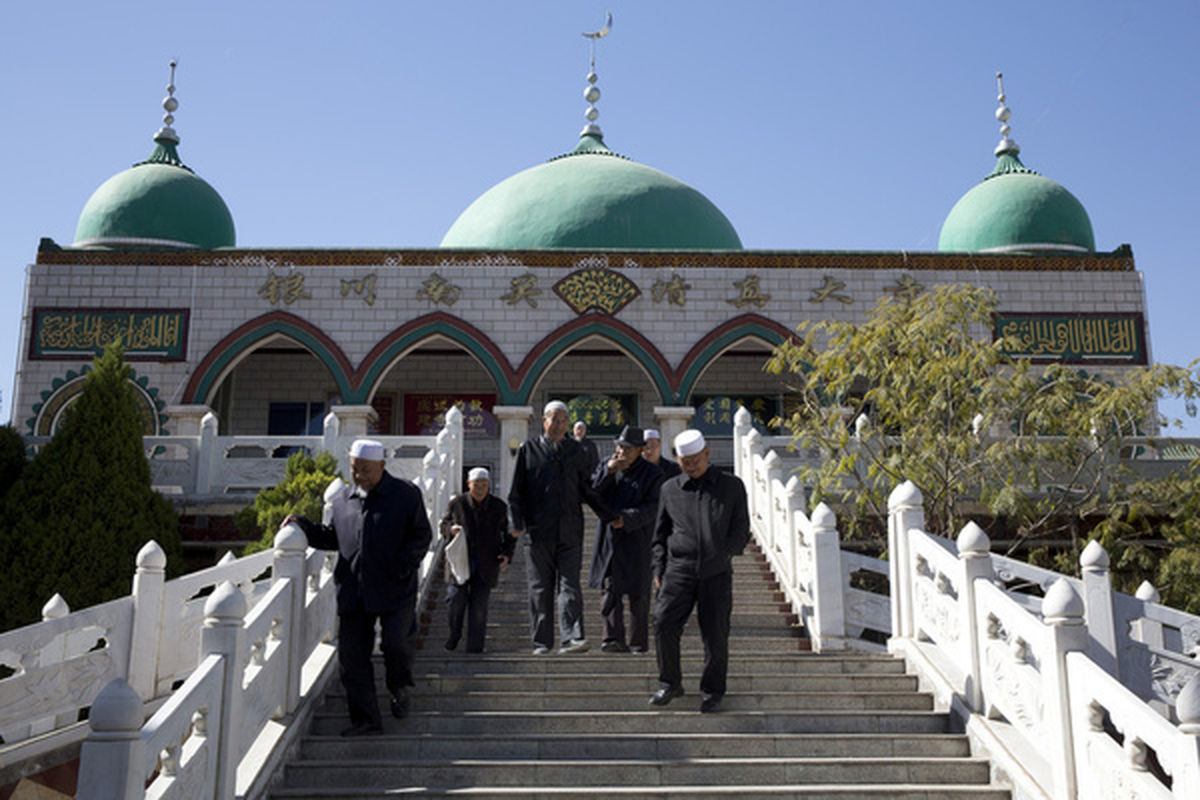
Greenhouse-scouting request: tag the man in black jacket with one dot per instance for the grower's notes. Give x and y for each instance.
(381, 532)
(654, 455)
(621, 556)
(483, 519)
(702, 523)
(550, 479)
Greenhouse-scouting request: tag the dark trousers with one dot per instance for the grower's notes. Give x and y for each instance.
(713, 599)
(356, 642)
(469, 600)
(554, 567)
(613, 613)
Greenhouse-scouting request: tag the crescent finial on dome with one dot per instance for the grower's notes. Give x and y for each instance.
(1006, 145)
(591, 92)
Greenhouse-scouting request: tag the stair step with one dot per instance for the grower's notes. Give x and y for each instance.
(647, 683)
(740, 792)
(633, 746)
(682, 716)
(636, 772)
(442, 663)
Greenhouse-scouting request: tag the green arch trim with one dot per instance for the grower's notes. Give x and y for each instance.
(558, 342)
(247, 336)
(438, 323)
(719, 339)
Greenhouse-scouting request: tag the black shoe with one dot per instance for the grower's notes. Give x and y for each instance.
(710, 703)
(451, 644)
(400, 704)
(665, 695)
(362, 729)
(613, 646)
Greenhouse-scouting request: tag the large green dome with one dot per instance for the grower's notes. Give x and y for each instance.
(1016, 209)
(592, 198)
(157, 203)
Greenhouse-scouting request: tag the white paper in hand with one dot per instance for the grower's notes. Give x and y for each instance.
(457, 558)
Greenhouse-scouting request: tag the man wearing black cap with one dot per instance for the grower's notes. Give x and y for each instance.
(702, 523)
(628, 483)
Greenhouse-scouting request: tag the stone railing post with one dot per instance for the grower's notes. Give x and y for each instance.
(1148, 631)
(773, 476)
(113, 755)
(514, 428)
(224, 634)
(431, 484)
(796, 505)
(829, 586)
(56, 652)
(1187, 708)
(1062, 612)
(454, 451)
(207, 457)
(353, 422)
(1098, 608)
(331, 430)
(754, 478)
(743, 423)
(290, 545)
(975, 558)
(148, 633)
(904, 512)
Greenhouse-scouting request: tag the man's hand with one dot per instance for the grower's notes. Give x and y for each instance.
(455, 530)
(503, 562)
(619, 522)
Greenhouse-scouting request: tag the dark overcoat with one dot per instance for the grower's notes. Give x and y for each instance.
(623, 554)
(550, 479)
(485, 524)
(381, 539)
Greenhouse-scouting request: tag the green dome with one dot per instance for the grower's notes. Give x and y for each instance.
(592, 198)
(157, 203)
(1015, 209)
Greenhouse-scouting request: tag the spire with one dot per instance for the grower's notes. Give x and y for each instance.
(166, 138)
(1006, 145)
(591, 93)
(1007, 159)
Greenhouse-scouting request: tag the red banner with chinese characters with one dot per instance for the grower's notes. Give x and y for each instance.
(425, 414)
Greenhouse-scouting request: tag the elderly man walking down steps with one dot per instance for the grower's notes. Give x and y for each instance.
(381, 533)
(550, 479)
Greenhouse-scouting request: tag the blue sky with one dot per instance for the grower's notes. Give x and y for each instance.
(812, 125)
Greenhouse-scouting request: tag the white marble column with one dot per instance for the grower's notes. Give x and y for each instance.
(672, 421)
(514, 428)
(185, 420)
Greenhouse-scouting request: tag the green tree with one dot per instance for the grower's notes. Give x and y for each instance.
(12, 458)
(984, 435)
(83, 507)
(301, 491)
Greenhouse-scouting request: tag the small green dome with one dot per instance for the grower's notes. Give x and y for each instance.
(592, 198)
(1016, 209)
(157, 203)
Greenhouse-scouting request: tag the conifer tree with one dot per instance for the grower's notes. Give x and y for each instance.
(83, 506)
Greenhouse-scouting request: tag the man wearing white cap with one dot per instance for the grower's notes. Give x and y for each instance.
(702, 523)
(483, 519)
(381, 533)
(550, 480)
(654, 455)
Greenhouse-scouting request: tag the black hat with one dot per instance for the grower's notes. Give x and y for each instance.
(631, 437)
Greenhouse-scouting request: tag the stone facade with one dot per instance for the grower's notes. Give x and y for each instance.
(326, 327)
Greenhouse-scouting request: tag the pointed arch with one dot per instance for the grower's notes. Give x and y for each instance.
(477, 343)
(720, 339)
(244, 339)
(555, 345)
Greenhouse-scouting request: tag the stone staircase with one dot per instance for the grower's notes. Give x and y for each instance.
(508, 724)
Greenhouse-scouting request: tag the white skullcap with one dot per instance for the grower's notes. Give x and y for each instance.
(580, 422)
(367, 450)
(651, 433)
(479, 473)
(552, 406)
(689, 443)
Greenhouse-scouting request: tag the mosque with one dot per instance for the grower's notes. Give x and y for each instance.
(590, 278)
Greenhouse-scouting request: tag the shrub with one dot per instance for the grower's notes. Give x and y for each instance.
(300, 492)
(83, 507)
